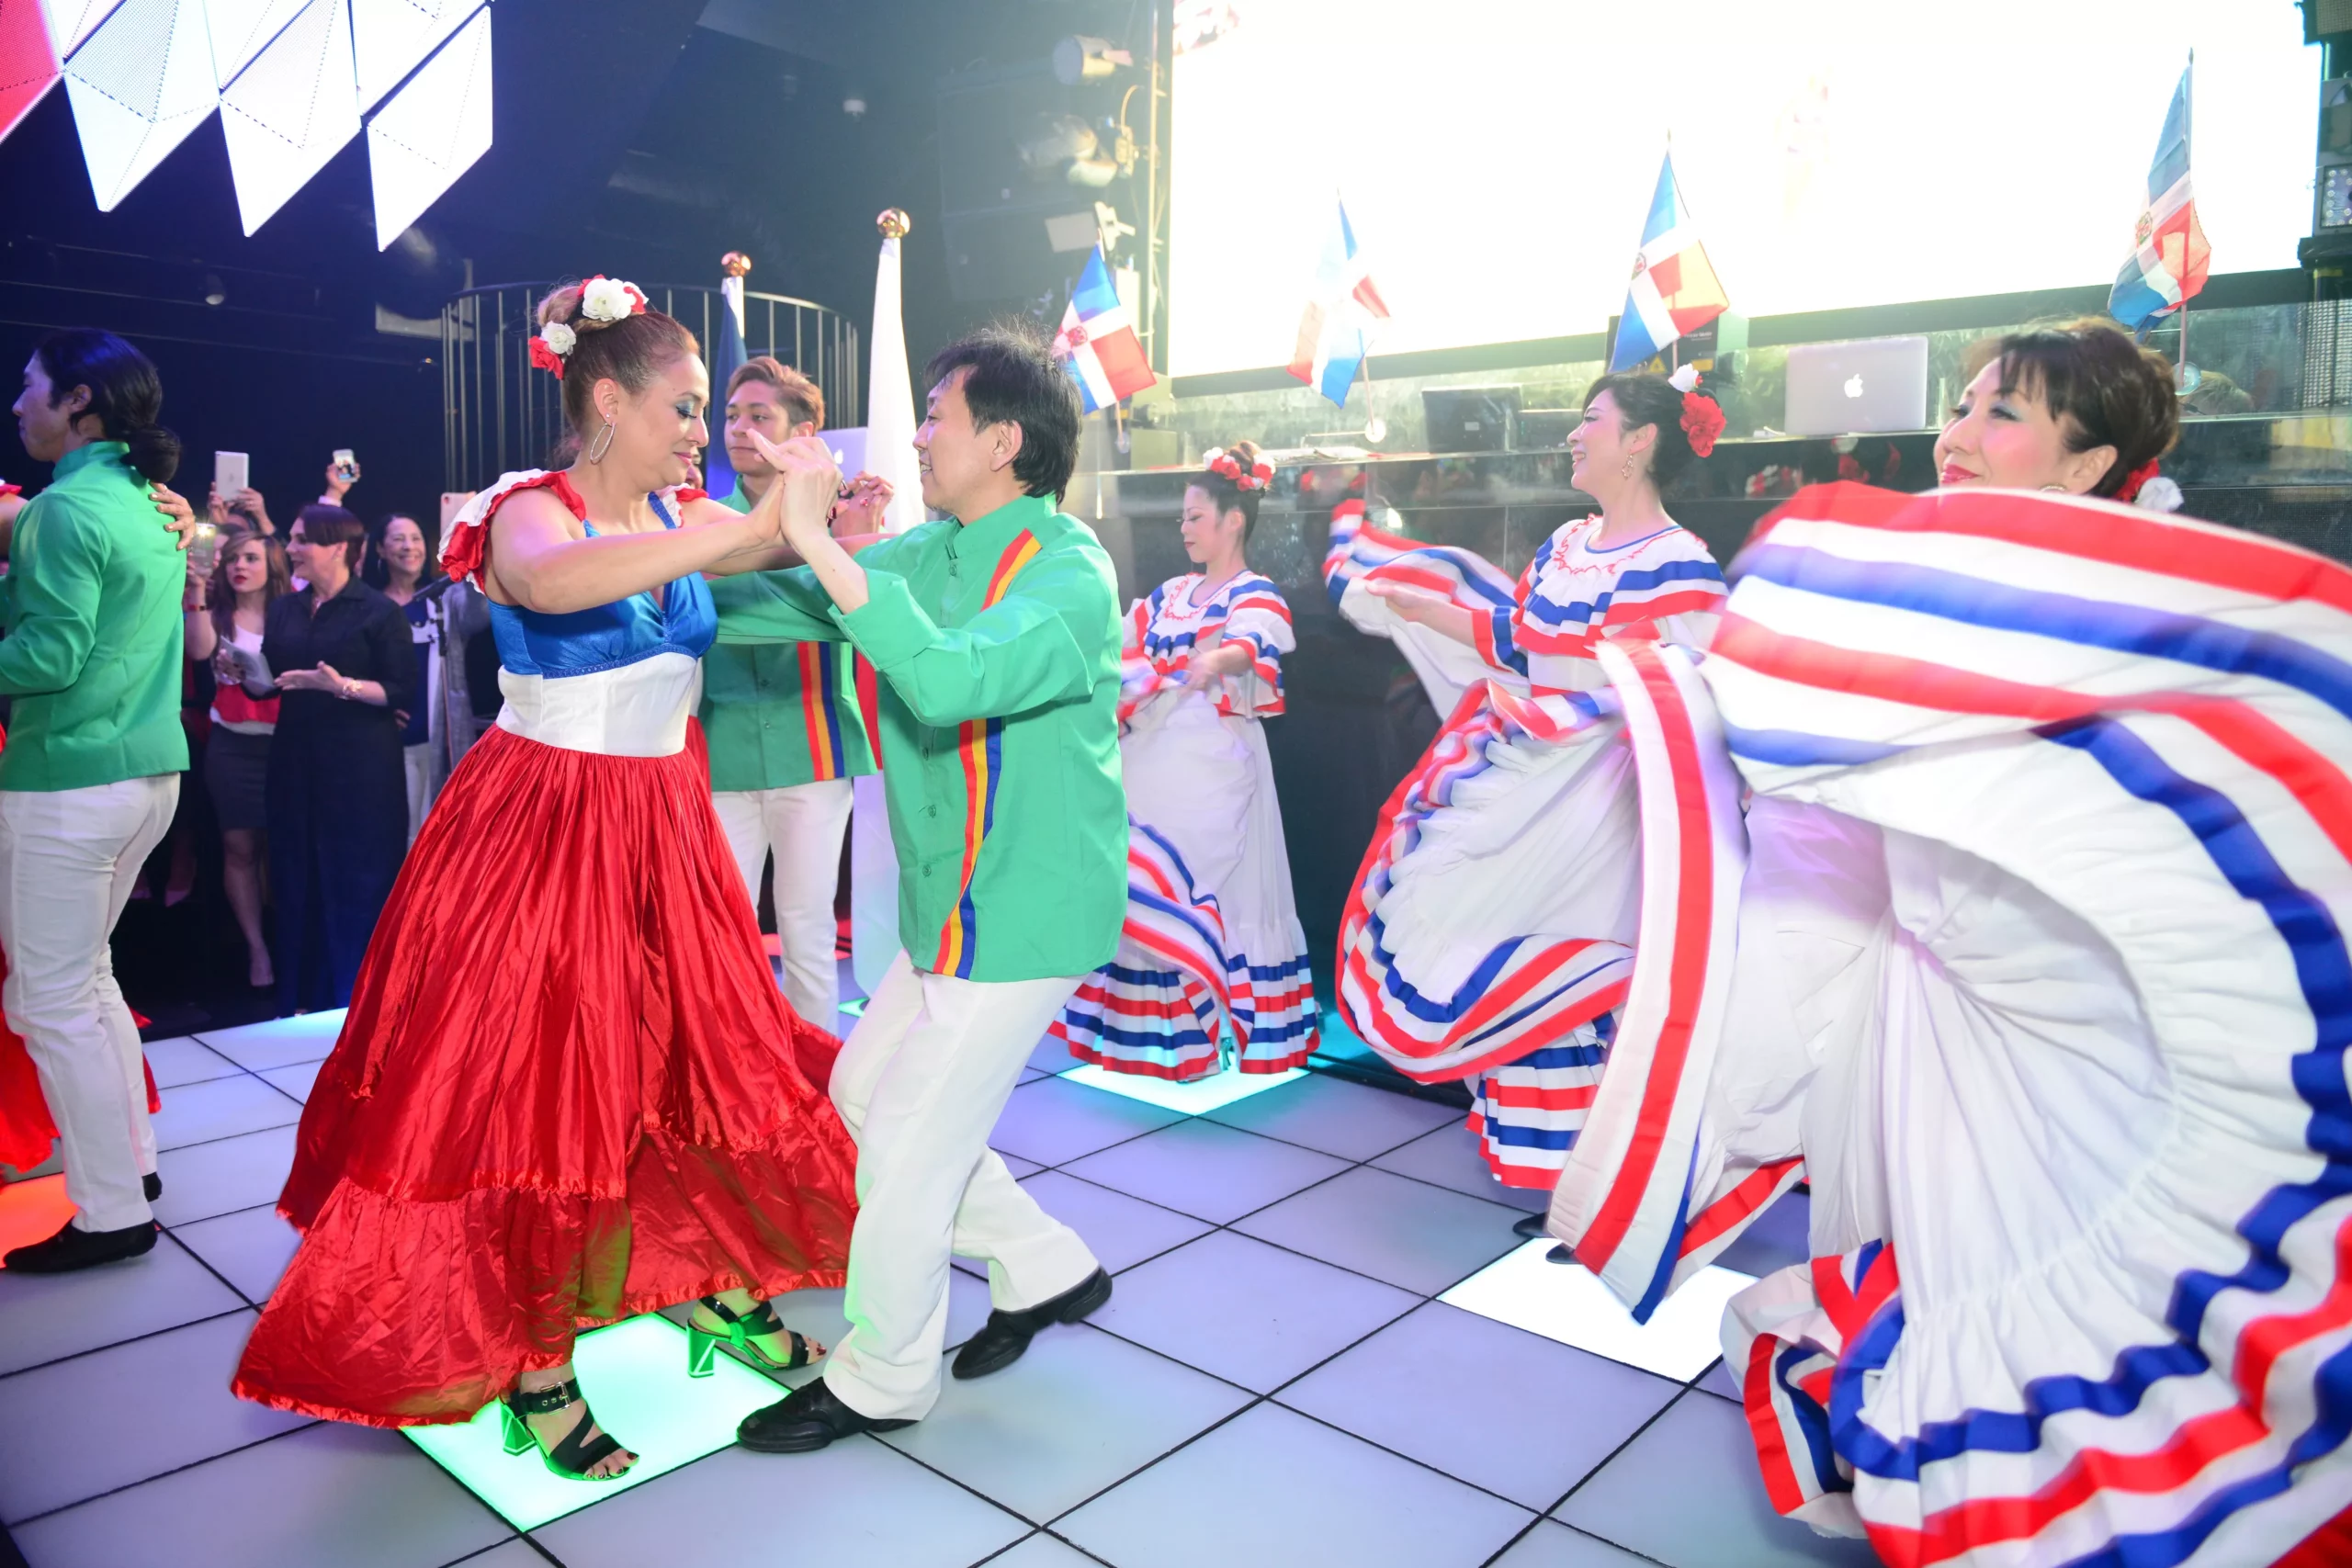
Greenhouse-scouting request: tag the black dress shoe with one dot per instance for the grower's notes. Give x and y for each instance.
(153, 1184)
(1529, 1225)
(73, 1248)
(1006, 1335)
(805, 1420)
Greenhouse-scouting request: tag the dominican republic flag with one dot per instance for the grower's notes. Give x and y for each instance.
(1097, 342)
(2170, 257)
(1335, 331)
(1674, 289)
(717, 473)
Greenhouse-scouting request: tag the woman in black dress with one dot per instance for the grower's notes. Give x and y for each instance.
(337, 795)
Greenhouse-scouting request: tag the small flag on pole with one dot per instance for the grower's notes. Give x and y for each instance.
(1097, 342)
(1674, 289)
(2169, 256)
(717, 473)
(1335, 330)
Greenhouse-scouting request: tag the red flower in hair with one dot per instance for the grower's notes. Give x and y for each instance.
(545, 357)
(1703, 420)
(2133, 480)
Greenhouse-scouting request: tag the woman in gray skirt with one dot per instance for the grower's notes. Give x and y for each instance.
(225, 626)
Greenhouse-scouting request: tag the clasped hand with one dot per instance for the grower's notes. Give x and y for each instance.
(800, 501)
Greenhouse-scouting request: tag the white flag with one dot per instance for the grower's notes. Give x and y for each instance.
(890, 400)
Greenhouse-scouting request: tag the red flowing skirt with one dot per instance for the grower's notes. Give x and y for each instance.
(567, 1091)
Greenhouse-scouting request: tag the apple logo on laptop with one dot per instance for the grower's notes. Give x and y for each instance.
(1854, 386)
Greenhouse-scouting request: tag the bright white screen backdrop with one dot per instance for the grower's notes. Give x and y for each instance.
(1498, 155)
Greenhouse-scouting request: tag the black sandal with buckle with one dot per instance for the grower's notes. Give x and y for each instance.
(741, 1329)
(572, 1458)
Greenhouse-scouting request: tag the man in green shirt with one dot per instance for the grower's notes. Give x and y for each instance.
(996, 637)
(783, 724)
(91, 610)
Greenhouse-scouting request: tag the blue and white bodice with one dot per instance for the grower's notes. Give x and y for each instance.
(620, 679)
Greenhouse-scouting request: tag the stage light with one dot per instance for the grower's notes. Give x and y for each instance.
(1058, 139)
(27, 60)
(240, 28)
(432, 130)
(141, 81)
(215, 292)
(71, 22)
(1082, 59)
(291, 110)
(389, 37)
(854, 107)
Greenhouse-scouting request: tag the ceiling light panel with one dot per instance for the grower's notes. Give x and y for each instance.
(390, 37)
(291, 110)
(240, 28)
(140, 82)
(432, 130)
(27, 60)
(71, 22)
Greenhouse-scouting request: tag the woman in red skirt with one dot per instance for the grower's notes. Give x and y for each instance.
(567, 1090)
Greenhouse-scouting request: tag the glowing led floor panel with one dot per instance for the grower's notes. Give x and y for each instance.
(636, 1375)
(1569, 1303)
(1195, 1098)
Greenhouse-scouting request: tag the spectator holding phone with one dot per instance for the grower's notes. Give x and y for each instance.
(226, 619)
(337, 803)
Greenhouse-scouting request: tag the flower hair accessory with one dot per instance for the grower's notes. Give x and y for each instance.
(2145, 486)
(1703, 417)
(605, 299)
(552, 346)
(1228, 466)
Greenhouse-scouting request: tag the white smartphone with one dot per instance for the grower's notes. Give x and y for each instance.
(452, 502)
(252, 670)
(346, 464)
(231, 477)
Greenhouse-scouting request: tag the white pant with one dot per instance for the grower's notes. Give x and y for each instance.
(803, 824)
(417, 761)
(920, 1082)
(68, 859)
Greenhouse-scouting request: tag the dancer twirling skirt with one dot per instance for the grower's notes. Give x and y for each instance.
(2030, 954)
(1490, 935)
(1211, 926)
(567, 1090)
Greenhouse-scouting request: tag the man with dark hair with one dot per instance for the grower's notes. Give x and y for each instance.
(91, 774)
(783, 724)
(996, 634)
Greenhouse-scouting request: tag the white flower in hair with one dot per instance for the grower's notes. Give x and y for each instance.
(1684, 379)
(2159, 494)
(607, 300)
(560, 336)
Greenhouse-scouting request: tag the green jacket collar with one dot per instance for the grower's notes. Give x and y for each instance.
(987, 536)
(82, 456)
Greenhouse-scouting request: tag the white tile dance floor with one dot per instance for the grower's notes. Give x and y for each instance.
(1325, 1348)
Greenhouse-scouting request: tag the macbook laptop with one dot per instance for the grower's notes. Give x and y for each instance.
(1857, 388)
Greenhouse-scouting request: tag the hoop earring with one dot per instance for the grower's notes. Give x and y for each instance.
(602, 444)
(2061, 489)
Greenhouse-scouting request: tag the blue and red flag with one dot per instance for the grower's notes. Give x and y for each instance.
(2170, 258)
(727, 356)
(1674, 289)
(1097, 342)
(1335, 330)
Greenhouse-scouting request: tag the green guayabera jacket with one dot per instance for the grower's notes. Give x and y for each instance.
(998, 644)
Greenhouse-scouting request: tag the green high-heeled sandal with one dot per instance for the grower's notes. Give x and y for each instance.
(571, 1458)
(702, 1345)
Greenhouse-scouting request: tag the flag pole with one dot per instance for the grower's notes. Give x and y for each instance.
(2180, 371)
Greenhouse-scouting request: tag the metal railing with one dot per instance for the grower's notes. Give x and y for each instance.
(500, 414)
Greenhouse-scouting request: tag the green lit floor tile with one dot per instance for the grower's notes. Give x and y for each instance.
(634, 1375)
(1212, 1093)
